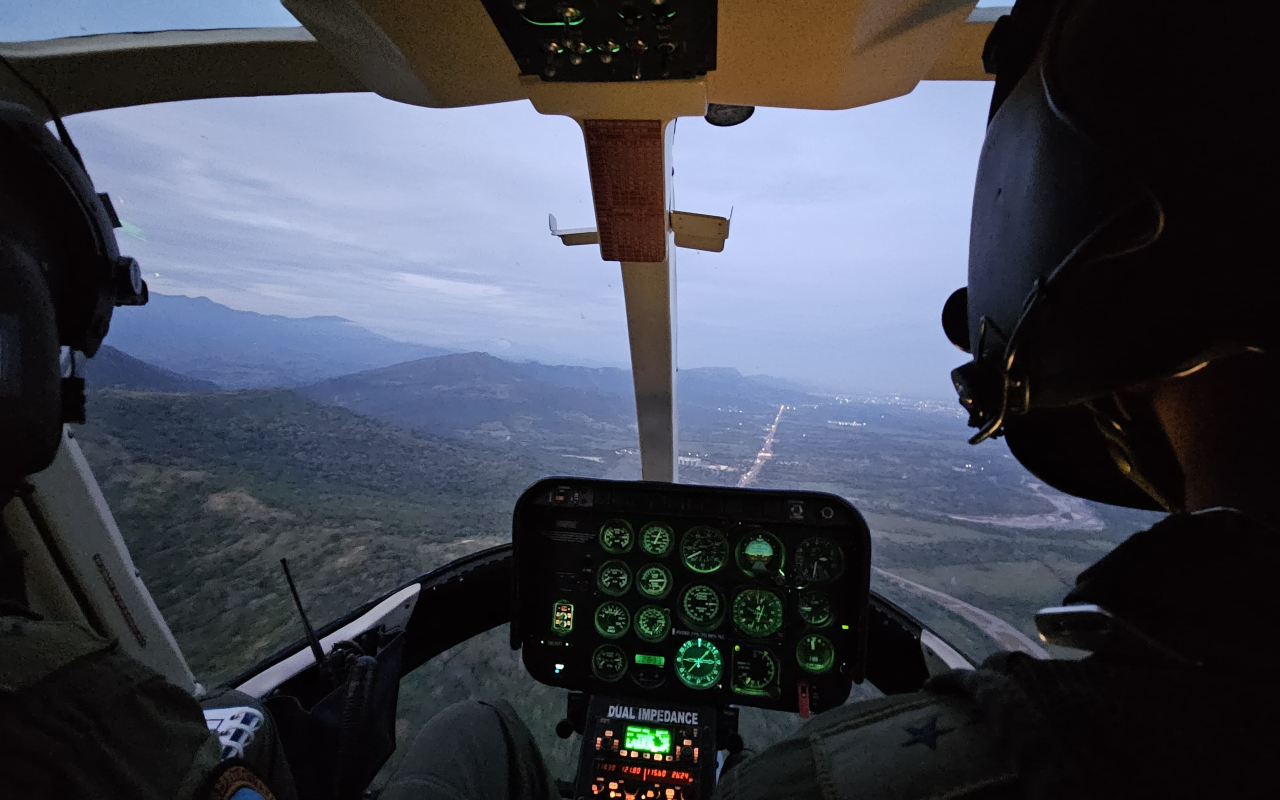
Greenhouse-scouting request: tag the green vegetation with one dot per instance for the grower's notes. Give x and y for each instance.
(211, 489)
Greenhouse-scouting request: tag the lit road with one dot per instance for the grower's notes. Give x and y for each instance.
(765, 453)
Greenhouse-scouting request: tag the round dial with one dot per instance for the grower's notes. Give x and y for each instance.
(815, 653)
(608, 662)
(815, 609)
(656, 539)
(653, 623)
(612, 619)
(653, 580)
(701, 606)
(757, 612)
(760, 553)
(614, 577)
(704, 549)
(754, 671)
(698, 664)
(616, 536)
(818, 560)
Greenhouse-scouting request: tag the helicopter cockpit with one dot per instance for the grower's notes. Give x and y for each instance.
(657, 609)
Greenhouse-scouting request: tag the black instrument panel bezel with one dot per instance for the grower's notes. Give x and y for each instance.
(570, 510)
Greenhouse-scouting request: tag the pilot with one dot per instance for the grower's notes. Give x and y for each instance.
(1121, 314)
(78, 716)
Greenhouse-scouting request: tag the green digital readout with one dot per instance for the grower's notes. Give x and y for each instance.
(648, 740)
(652, 661)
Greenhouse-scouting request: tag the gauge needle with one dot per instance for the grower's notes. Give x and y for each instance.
(694, 554)
(759, 612)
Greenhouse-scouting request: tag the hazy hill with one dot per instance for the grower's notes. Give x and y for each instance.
(111, 368)
(240, 349)
(475, 391)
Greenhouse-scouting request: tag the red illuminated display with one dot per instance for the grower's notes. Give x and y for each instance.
(657, 774)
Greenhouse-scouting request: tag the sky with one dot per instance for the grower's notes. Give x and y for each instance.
(849, 230)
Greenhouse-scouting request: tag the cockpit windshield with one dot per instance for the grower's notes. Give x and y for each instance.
(52, 20)
(363, 344)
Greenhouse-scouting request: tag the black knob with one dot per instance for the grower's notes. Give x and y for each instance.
(564, 729)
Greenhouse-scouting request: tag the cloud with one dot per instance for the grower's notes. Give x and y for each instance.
(849, 230)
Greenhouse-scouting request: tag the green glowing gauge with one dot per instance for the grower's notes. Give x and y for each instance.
(704, 549)
(815, 653)
(653, 623)
(656, 538)
(818, 560)
(562, 617)
(608, 662)
(815, 609)
(616, 536)
(614, 577)
(757, 612)
(612, 619)
(698, 664)
(760, 553)
(701, 607)
(653, 580)
(755, 671)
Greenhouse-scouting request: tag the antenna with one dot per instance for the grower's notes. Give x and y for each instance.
(312, 639)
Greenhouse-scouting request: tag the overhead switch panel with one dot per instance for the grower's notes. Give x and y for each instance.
(608, 40)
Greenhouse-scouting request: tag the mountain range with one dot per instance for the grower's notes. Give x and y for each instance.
(197, 337)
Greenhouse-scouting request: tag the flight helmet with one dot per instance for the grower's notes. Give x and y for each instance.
(1121, 231)
(61, 275)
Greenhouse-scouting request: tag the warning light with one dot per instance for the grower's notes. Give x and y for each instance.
(562, 617)
(559, 668)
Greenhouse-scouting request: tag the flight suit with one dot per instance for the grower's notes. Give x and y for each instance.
(1124, 722)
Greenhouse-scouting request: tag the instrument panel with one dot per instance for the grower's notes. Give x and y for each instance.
(700, 594)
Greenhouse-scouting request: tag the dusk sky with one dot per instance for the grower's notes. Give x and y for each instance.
(849, 228)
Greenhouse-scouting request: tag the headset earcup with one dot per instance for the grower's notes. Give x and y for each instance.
(30, 372)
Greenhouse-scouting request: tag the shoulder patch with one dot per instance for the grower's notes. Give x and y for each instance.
(235, 782)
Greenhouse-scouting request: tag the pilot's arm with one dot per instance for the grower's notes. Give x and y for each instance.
(929, 744)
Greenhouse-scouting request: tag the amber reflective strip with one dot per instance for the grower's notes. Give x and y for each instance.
(625, 158)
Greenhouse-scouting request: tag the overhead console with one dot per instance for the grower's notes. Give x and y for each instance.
(702, 595)
(608, 40)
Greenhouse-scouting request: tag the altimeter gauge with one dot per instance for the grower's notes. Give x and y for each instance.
(656, 539)
(755, 671)
(653, 623)
(704, 549)
(815, 653)
(760, 554)
(653, 580)
(614, 577)
(612, 619)
(757, 612)
(608, 662)
(701, 607)
(698, 664)
(616, 536)
(818, 560)
(815, 609)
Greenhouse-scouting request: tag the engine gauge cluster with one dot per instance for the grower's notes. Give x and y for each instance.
(701, 594)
